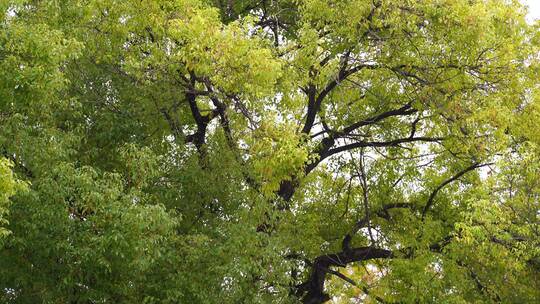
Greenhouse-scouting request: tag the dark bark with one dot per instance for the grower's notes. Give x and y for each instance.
(312, 290)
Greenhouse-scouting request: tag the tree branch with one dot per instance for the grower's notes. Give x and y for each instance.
(382, 213)
(315, 101)
(431, 198)
(313, 288)
(324, 152)
(404, 110)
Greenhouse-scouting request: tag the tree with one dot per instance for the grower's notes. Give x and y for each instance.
(190, 151)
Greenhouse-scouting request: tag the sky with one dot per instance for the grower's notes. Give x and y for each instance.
(534, 9)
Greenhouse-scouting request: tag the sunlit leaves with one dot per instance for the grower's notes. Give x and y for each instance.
(188, 151)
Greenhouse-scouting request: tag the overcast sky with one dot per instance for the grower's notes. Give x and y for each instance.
(534, 9)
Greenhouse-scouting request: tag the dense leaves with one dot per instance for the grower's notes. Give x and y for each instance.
(192, 151)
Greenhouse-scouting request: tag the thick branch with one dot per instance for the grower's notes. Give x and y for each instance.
(221, 109)
(315, 101)
(313, 108)
(314, 287)
(199, 137)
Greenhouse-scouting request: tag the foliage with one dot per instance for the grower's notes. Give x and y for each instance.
(292, 151)
(8, 187)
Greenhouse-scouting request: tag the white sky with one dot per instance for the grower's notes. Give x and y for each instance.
(534, 9)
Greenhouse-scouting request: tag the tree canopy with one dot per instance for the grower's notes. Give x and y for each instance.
(269, 151)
